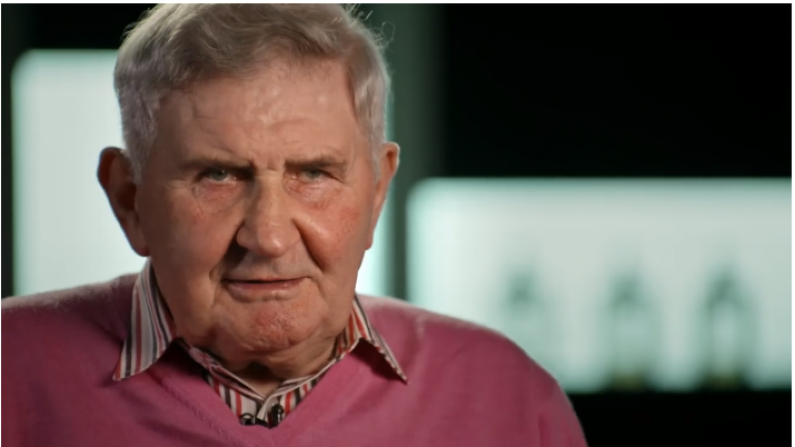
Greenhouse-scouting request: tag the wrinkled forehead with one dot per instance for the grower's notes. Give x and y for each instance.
(277, 104)
(279, 79)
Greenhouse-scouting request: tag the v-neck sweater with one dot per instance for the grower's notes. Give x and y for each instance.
(468, 386)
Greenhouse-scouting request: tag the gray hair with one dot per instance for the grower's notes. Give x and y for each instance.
(177, 45)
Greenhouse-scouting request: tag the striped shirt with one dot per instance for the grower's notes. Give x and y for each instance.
(152, 330)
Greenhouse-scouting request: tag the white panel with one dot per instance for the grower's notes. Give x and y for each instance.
(573, 240)
(65, 112)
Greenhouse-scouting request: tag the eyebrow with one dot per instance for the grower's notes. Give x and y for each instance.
(201, 162)
(324, 161)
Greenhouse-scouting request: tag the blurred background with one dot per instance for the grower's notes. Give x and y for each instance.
(608, 185)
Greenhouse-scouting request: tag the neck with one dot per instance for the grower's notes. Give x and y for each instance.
(266, 373)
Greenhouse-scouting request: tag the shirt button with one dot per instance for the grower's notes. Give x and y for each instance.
(247, 419)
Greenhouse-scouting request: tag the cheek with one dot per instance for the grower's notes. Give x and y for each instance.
(188, 232)
(336, 236)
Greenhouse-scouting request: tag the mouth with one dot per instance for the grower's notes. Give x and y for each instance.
(255, 288)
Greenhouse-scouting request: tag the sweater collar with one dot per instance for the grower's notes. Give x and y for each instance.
(152, 331)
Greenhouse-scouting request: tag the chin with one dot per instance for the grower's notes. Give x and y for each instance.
(274, 326)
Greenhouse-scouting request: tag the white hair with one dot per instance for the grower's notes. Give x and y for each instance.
(177, 45)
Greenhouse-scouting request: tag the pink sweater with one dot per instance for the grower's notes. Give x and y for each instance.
(468, 386)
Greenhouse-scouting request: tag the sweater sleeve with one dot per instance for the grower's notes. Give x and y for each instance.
(16, 351)
(12, 431)
(537, 411)
(558, 425)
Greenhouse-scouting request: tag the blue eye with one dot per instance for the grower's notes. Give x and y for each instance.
(217, 175)
(313, 174)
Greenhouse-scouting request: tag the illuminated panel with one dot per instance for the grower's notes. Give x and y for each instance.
(628, 284)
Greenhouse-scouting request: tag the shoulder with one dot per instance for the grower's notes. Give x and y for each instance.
(445, 356)
(486, 353)
(399, 319)
(64, 314)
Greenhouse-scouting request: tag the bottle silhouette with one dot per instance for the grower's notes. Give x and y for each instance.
(728, 334)
(631, 326)
(528, 319)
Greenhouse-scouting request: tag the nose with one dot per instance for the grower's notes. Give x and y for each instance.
(268, 229)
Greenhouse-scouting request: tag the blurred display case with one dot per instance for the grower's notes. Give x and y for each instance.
(663, 285)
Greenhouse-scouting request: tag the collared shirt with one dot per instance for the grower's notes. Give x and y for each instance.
(152, 330)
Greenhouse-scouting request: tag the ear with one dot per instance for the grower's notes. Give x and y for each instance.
(116, 177)
(387, 162)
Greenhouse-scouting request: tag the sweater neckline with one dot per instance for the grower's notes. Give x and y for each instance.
(183, 379)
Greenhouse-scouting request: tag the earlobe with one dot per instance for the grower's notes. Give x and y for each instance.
(115, 176)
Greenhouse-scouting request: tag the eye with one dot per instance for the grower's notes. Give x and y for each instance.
(217, 175)
(312, 175)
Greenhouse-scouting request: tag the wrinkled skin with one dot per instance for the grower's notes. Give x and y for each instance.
(256, 205)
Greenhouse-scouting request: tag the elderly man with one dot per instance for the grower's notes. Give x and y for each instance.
(253, 178)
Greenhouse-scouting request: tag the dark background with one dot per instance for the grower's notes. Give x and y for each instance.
(551, 91)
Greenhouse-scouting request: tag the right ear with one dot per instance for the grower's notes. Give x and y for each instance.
(116, 177)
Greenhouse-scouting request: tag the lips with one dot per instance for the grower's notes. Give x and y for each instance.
(257, 289)
(271, 280)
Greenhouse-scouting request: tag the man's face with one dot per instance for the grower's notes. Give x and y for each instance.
(257, 204)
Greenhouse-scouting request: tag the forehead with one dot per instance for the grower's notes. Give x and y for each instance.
(282, 102)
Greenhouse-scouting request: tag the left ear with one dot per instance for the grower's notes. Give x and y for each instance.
(388, 157)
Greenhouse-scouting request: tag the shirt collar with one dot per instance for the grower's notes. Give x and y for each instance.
(152, 330)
